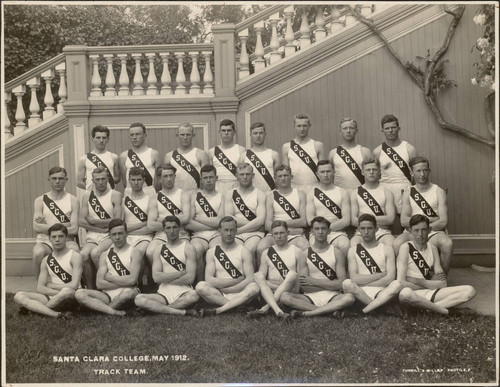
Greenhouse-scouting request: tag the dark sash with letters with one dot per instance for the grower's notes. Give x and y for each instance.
(351, 163)
(304, 156)
(219, 154)
(367, 259)
(247, 212)
(54, 265)
(135, 209)
(278, 263)
(94, 159)
(205, 205)
(168, 256)
(398, 160)
(370, 201)
(97, 206)
(168, 204)
(261, 168)
(285, 204)
(321, 265)
(422, 203)
(328, 203)
(56, 211)
(187, 166)
(226, 263)
(117, 264)
(420, 262)
(137, 162)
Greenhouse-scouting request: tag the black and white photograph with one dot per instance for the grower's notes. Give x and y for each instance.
(238, 193)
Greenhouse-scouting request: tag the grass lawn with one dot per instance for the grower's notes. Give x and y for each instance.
(417, 348)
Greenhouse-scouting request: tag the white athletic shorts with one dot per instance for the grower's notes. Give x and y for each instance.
(381, 232)
(134, 240)
(247, 235)
(331, 237)
(321, 297)
(96, 237)
(207, 236)
(429, 294)
(172, 292)
(372, 291)
(396, 189)
(113, 293)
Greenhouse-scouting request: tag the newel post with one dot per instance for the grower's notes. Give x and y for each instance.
(224, 60)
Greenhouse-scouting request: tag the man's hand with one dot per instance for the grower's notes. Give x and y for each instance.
(439, 276)
(41, 219)
(305, 280)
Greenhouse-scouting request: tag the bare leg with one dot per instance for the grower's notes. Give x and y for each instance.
(404, 237)
(297, 301)
(271, 298)
(124, 299)
(61, 299)
(263, 244)
(300, 242)
(35, 302)
(251, 291)
(251, 244)
(454, 295)
(445, 245)
(96, 300)
(351, 287)
(338, 302)
(201, 246)
(156, 304)
(186, 300)
(408, 296)
(384, 296)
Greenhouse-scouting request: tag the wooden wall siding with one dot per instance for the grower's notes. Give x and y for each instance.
(374, 85)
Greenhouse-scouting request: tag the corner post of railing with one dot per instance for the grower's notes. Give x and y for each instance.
(224, 60)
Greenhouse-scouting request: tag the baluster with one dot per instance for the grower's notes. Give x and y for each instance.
(349, 18)
(259, 48)
(208, 76)
(34, 84)
(96, 78)
(49, 111)
(6, 130)
(19, 91)
(195, 74)
(152, 90)
(138, 90)
(365, 10)
(305, 31)
(123, 80)
(289, 35)
(165, 75)
(275, 42)
(181, 78)
(110, 76)
(336, 22)
(244, 61)
(320, 32)
(63, 92)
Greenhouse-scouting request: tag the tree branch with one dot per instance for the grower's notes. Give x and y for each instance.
(489, 100)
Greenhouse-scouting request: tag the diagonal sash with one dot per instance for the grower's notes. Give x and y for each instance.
(261, 168)
(54, 265)
(351, 163)
(224, 160)
(56, 211)
(187, 166)
(328, 203)
(321, 265)
(304, 156)
(370, 201)
(246, 212)
(167, 203)
(135, 209)
(117, 264)
(278, 263)
(420, 262)
(94, 159)
(168, 256)
(137, 162)
(226, 263)
(367, 259)
(398, 160)
(285, 204)
(97, 206)
(205, 205)
(422, 203)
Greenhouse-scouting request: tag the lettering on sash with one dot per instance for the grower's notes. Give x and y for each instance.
(304, 156)
(367, 259)
(285, 204)
(328, 203)
(241, 205)
(261, 168)
(422, 203)
(226, 263)
(278, 263)
(137, 162)
(205, 205)
(321, 265)
(351, 163)
(57, 269)
(219, 154)
(117, 264)
(94, 159)
(135, 209)
(167, 203)
(168, 256)
(397, 159)
(56, 211)
(370, 201)
(187, 166)
(97, 206)
(419, 261)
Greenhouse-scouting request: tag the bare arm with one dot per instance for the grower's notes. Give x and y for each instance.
(390, 269)
(345, 221)
(263, 269)
(320, 150)
(116, 168)
(376, 152)
(157, 271)
(284, 153)
(39, 221)
(188, 277)
(123, 169)
(260, 215)
(390, 210)
(269, 210)
(247, 272)
(440, 223)
(301, 221)
(153, 223)
(354, 208)
(406, 209)
(352, 267)
(412, 151)
(325, 283)
(84, 214)
(366, 153)
(402, 267)
(80, 173)
(101, 282)
(310, 207)
(135, 268)
(218, 283)
(43, 280)
(116, 200)
(185, 215)
(77, 266)
(276, 160)
(202, 157)
(155, 161)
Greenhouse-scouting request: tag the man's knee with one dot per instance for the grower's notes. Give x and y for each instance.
(406, 295)
(342, 243)
(19, 297)
(252, 289)
(192, 296)
(469, 292)
(348, 286)
(445, 244)
(40, 251)
(67, 293)
(81, 295)
(202, 288)
(259, 277)
(72, 245)
(128, 294)
(348, 299)
(140, 300)
(395, 286)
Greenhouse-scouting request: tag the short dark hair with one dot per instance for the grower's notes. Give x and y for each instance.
(100, 129)
(371, 160)
(281, 168)
(136, 171)
(348, 119)
(388, 118)
(257, 125)
(302, 116)
(57, 227)
(117, 222)
(226, 219)
(367, 218)
(138, 124)
(57, 170)
(417, 160)
(324, 162)
(207, 168)
(320, 219)
(279, 223)
(97, 170)
(419, 218)
(170, 218)
(227, 122)
(165, 167)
